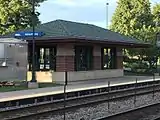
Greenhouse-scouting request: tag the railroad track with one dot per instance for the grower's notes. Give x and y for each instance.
(38, 100)
(134, 113)
(76, 102)
(157, 118)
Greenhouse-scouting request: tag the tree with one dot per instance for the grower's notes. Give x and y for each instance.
(156, 14)
(131, 15)
(16, 14)
(135, 19)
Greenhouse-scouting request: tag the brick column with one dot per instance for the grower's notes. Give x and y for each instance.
(119, 58)
(65, 57)
(96, 57)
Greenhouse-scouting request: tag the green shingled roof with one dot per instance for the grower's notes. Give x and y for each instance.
(66, 29)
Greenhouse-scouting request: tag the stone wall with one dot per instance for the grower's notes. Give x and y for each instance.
(59, 77)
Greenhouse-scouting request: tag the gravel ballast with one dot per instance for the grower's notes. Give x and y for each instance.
(101, 110)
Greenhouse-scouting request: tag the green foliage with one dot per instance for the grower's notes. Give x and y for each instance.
(156, 14)
(146, 34)
(135, 19)
(131, 15)
(16, 14)
(137, 66)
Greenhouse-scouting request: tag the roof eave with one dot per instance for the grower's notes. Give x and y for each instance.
(82, 39)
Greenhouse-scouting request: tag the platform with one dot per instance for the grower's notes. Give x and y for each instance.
(73, 86)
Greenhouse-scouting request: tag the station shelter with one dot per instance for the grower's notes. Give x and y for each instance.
(85, 51)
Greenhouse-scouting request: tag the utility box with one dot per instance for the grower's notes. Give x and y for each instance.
(13, 59)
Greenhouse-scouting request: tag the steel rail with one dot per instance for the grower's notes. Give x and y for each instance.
(131, 111)
(78, 102)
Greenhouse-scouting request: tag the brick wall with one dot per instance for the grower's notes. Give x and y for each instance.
(119, 58)
(65, 57)
(66, 53)
(64, 63)
(96, 57)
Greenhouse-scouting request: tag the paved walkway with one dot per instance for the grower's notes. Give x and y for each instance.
(72, 86)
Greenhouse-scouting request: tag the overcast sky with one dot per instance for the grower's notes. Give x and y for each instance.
(87, 11)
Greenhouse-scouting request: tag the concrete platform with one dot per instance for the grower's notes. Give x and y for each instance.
(73, 86)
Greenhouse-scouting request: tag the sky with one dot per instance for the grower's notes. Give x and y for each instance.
(85, 11)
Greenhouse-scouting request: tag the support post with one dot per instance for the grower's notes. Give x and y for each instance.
(135, 92)
(33, 82)
(33, 43)
(52, 98)
(108, 95)
(107, 4)
(153, 85)
(65, 84)
(158, 49)
(17, 103)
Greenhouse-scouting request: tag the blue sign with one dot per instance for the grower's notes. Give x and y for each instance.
(28, 34)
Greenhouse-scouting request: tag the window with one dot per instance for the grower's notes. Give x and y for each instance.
(108, 58)
(45, 59)
(83, 58)
(44, 62)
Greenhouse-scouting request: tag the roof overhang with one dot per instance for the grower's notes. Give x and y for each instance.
(125, 44)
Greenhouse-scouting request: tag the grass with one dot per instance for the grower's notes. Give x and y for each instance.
(12, 88)
(24, 87)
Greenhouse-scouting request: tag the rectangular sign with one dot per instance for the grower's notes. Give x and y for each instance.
(28, 34)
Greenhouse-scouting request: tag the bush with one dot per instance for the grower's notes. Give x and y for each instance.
(137, 66)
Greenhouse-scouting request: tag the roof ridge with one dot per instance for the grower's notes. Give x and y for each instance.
(66, 30)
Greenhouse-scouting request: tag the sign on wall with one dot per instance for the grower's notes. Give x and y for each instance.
(28, 34)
